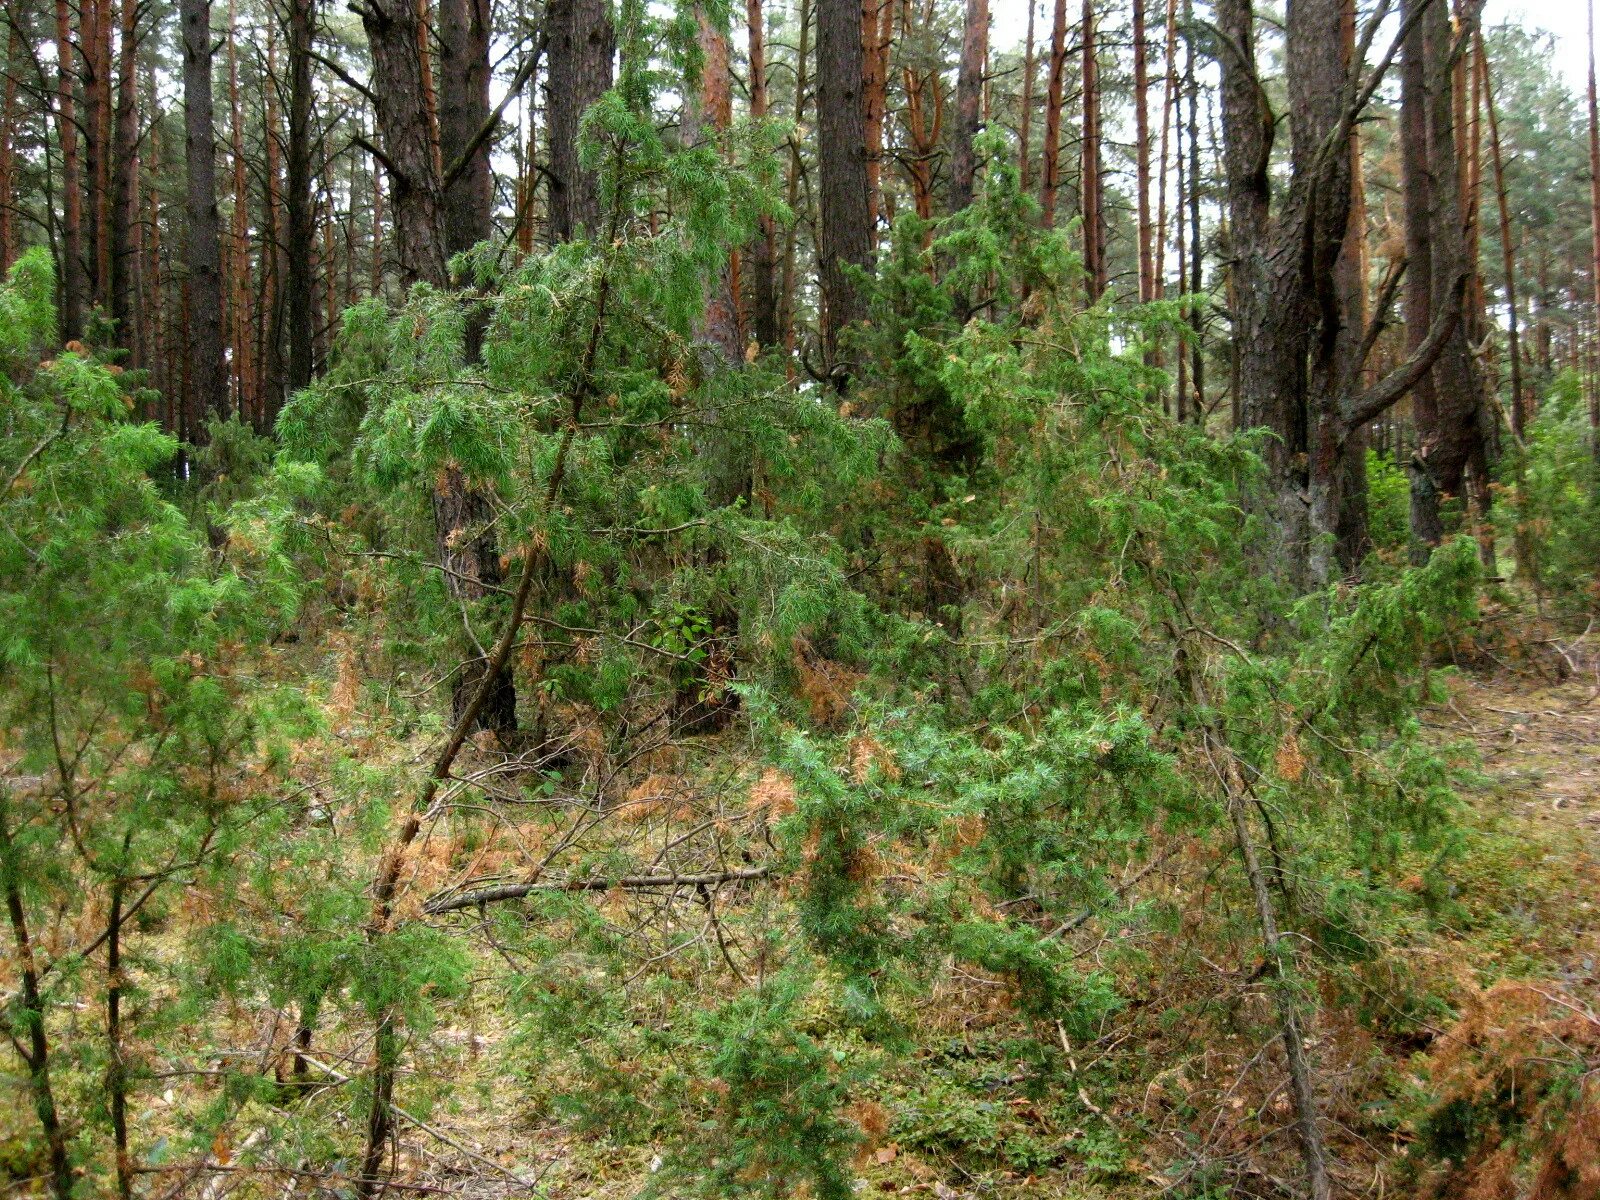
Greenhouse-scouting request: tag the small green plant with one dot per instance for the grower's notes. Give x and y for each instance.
(1557, 513)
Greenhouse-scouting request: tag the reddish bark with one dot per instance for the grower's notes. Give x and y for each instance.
(1052, 115)
(1141, 127)
(969, 97)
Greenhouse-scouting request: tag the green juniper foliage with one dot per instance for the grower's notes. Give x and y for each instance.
(838, 721)
(143, 728)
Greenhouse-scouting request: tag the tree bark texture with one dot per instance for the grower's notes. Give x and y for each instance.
(969, 97)
(845, 236)
(401, 95)
(208, 372)
(463, 109)
(582, 45)
(301, 232)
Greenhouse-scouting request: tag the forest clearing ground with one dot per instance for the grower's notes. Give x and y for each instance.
(1539, 746)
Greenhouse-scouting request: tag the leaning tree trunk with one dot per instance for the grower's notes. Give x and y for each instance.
(208, 370)
(845, 237)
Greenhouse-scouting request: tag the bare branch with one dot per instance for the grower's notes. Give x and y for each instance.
(516, 891)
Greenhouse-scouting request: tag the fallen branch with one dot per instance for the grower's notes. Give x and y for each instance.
(515, 891)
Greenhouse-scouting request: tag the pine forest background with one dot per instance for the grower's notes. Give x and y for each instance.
(604, 599)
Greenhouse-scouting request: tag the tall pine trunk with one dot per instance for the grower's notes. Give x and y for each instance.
(401, 93)
(1025, 125)
(463, 531)
(1094, 229)
(125, 188)
(761, 254)
(1508, 259)
(1054, 99)
(876, 17)
(707, 115)
(582, 45)
(1196, 261)
(1594, 220)
(208, 377)
(74, 279)
(1141, 133)
(270, 339)
(100, 160)
(463, 109)
(845, 236)
(969, 95)
(787, 289)
(241, 332)
(1521, 543)
(1453, 448)
(1350, 517)
(301, 232)
(8, 150)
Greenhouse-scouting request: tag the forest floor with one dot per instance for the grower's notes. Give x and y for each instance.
(1538, 741)
(1517, 953)
(1530, 886)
